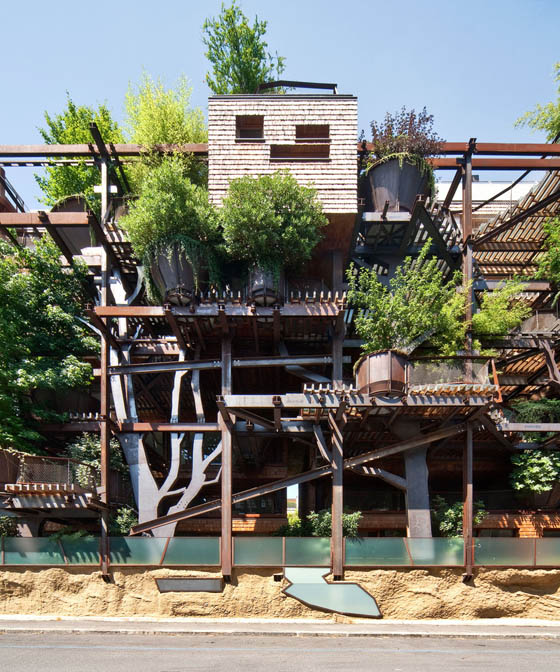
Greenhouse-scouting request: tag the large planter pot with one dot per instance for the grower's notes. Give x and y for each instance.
(400, 185)
(264, 288)
(383, 373)
(174, 277)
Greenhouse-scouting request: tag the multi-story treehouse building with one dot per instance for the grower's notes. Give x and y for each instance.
(223, 403)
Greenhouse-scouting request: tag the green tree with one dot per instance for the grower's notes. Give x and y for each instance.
(172, 211)
(536, 470)
(159, 116)
(545, 117)
(87, 450)
(448, 518)
(418, 305)
(319, 524)
(72, 127)
(271, 221)
(238, 53)
(42, 339)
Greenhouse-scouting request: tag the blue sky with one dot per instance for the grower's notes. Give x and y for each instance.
(476, 65)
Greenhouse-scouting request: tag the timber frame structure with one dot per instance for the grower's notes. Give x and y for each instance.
(280, 375)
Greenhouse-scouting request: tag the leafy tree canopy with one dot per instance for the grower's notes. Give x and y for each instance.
(238, 53)
(545, 117)
(448, 518)
(72, 127)
(159, 116)
(418, 305)
(42, 340)
(271, 221)
(171, 210)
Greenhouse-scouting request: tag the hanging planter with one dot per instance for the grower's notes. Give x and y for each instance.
(398, 181)
(265, 287)
(173, 276)
(382, 373)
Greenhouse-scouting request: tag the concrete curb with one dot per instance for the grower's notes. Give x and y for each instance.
(487, 629)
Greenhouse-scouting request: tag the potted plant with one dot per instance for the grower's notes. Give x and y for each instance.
(397, 169)
(417, 306)
(271, 224)
(174, 232)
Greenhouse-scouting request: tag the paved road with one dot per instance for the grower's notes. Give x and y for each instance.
(62, 652)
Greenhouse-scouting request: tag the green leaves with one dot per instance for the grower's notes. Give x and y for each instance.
(448, 518)
(419, 306)
(43, 342)
(545, 117)
(416, 306)
(271, 221)
(72, 127)
(535, 470)
(238, 53)
(319, 524)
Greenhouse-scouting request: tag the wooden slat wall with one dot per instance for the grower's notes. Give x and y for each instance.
(335, 179)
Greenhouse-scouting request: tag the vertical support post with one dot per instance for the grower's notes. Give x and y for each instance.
(468, 501)
(337, 537)
(226, 541)
(467, 250)
(339, 328)
(105, 434)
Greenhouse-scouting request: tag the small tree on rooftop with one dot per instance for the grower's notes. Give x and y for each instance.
(238, 53)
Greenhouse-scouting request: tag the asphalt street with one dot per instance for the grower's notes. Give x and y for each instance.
(101, 652)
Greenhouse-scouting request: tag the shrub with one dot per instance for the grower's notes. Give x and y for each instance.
(319, 524)
(271, 221)
(448, 518)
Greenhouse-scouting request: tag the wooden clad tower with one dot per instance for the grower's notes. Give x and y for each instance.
(311, 135)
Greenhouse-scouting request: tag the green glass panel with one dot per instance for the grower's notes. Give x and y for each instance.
(308, 551)
(309, 586)
(136, 550)
(436, 551)
(193, 551)
(376, 551)
(548, 552)
(32, 551)
(507, 552)
(81, 551)
(258, 551)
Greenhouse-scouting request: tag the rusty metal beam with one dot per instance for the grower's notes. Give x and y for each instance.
(89, 150)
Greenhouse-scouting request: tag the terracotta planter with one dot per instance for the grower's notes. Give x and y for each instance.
(263, 288)
(400, 185)
(382, 373)
(174, 277)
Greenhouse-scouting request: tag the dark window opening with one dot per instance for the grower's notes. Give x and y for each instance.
(299, 152)
(551, 532)
(249, 127)
(312, 132)
(497, 532)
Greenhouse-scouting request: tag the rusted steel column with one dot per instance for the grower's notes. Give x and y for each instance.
(468, 252)
(105, 433)
(226, 541)
(337, 538)
(468, 500)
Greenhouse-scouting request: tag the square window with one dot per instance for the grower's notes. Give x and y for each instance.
(249, 127)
